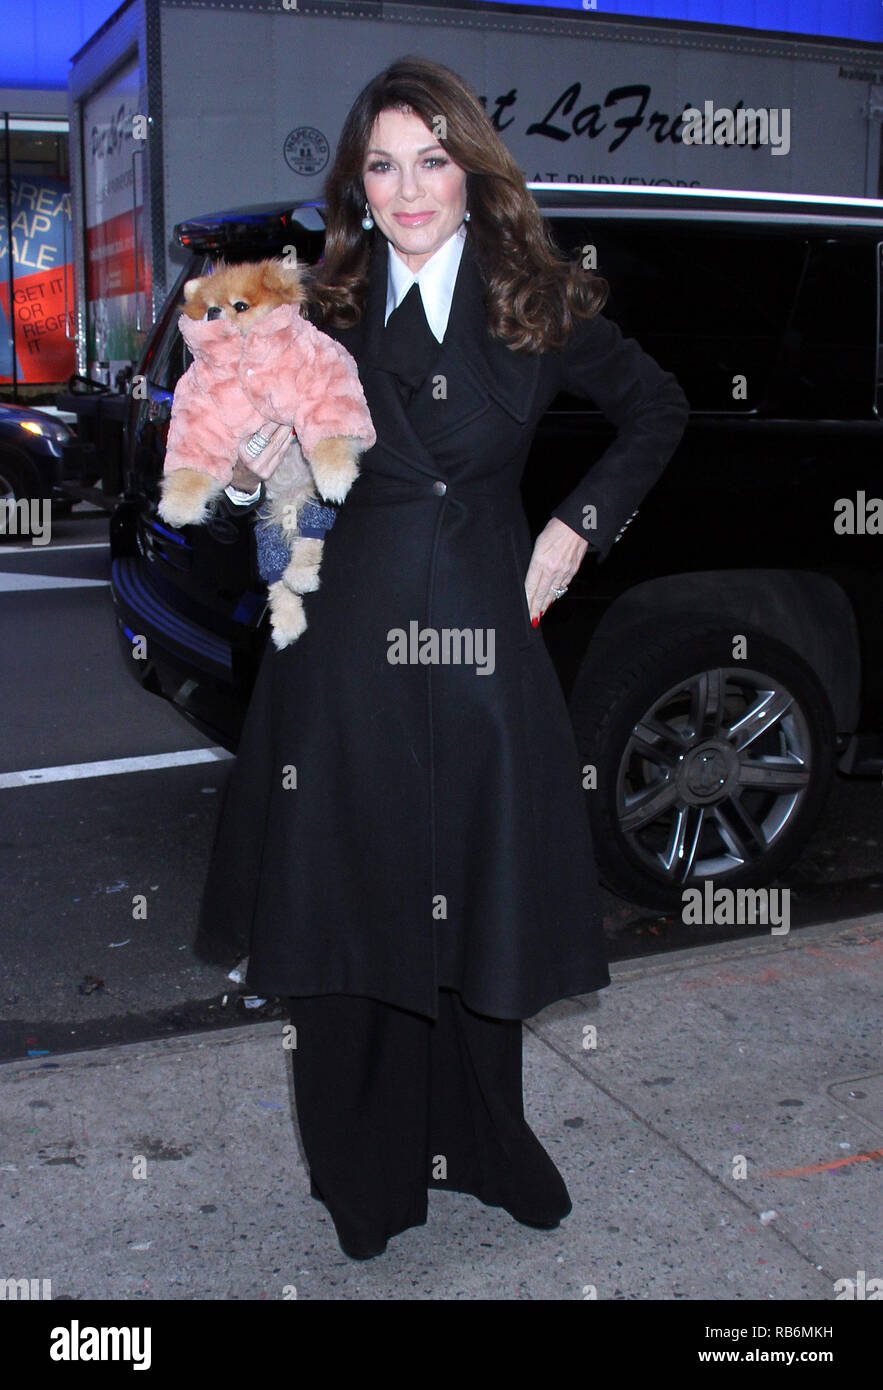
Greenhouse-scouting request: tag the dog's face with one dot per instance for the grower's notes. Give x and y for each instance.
(243, 294)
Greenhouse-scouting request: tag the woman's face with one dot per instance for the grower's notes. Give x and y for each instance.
(416, 193)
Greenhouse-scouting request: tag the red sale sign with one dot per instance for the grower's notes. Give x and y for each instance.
(37, 230)
(43, 349)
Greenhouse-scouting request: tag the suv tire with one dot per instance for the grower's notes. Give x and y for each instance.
(691, 783)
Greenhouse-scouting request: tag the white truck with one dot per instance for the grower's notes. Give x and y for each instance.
(184, 107)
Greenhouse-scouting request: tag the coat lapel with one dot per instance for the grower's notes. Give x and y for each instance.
(476, 368)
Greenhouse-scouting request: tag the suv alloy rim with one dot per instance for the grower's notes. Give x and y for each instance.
(713, 774)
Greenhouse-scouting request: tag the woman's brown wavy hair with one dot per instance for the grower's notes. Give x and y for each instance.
(533, 292)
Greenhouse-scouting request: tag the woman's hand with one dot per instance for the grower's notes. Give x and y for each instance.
(557, 555)
(252, 469)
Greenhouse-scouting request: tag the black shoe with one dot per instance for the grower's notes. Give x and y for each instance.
(543, 1213)
(538, 1222)
(542, 1220)
(550, 1225)
(360, 1250)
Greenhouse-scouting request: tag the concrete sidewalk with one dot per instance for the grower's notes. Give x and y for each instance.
(768, 1048)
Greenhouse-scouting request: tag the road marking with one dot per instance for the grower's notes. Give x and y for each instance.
(867, 1157)
(35, 549)
(12, 583)
(35, 776)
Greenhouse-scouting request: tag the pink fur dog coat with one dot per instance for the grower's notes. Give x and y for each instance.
(283, 369)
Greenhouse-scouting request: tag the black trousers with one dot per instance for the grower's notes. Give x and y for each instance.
(391, 1103)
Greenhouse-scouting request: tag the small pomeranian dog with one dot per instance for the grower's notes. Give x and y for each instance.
(285, 370)
(243, 294)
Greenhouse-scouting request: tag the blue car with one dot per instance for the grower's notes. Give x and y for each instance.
(36, 454)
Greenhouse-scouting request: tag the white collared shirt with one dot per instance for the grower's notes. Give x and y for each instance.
(436, 278)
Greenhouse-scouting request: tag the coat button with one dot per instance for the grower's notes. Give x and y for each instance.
(439, 488)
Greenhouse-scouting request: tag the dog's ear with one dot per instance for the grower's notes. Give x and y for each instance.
(194, 305)
(204, 285)
(282, 279)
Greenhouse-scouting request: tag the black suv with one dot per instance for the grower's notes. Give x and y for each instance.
(728, 651)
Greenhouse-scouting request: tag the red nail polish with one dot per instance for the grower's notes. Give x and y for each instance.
(534, 622)
(543, 613)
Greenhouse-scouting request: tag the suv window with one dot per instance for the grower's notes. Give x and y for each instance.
(172, 355)
(828, 355)
(878, 394)
(708, 304)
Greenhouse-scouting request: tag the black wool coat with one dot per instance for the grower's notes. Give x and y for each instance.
(393, 826)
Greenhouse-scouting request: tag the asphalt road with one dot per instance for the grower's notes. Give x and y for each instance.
(74, 851)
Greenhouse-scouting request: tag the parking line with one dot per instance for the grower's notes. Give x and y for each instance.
(35, 549)
(35, 776)
(13, 582)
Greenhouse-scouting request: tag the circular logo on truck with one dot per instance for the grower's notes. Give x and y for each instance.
(306, 150)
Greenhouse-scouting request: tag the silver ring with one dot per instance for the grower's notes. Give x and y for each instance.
(559, 592)
(256, 444)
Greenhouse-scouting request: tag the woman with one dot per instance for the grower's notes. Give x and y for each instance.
(404, 848)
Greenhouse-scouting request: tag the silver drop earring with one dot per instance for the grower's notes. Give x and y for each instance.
(466, 216)
(367, 220)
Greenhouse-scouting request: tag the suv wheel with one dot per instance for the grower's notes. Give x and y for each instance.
(707, 767)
